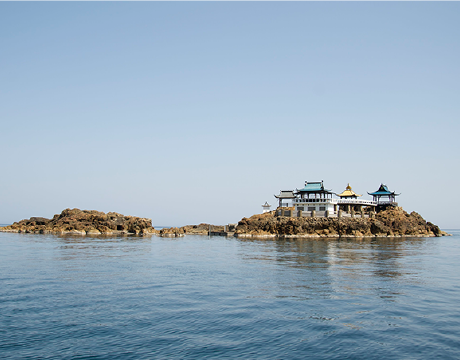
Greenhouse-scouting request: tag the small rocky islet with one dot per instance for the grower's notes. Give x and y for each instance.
(84, 222)
(392, 222)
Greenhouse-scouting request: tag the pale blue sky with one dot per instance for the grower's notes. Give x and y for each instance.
(201, 112)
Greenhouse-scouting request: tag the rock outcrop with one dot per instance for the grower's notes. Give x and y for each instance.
(201, 229)
(171, 232)
(391, 222)
(84, 222)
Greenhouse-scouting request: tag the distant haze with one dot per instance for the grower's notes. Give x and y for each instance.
(201, 112)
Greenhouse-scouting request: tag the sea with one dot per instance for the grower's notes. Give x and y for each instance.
(200, 297)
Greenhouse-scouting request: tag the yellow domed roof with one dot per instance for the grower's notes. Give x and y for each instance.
(348, 192)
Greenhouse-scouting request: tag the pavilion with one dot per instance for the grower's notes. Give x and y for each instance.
(285, 195)
(384, 197)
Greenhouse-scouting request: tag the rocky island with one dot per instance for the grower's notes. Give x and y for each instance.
(84, 222)
(393, 222)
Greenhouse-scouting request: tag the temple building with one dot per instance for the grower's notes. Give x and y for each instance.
(384, 197)
(314, 197)
(315, 200)
(287, 196)
(349, 201)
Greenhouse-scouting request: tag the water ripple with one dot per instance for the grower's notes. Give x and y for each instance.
(213, 298)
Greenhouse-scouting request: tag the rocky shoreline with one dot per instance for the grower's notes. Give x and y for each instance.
(394, 222)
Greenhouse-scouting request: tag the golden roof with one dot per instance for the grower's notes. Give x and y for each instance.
(348, 192)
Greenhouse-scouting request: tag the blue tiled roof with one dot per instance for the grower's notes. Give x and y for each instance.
(383, 190)
(313, 187)
(381, 193)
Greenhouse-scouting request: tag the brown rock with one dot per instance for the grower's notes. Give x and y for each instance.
(172, 232)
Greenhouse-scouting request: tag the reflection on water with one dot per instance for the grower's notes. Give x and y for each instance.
(333, 268)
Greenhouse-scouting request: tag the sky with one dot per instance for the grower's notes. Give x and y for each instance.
(191, 112)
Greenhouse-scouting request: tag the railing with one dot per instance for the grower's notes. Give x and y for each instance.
(343, 201)
(394, 203)
(357, 202)
(337, 201)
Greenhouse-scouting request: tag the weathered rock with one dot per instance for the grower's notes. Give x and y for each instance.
(201, 229)
(172, 232)
(84, 222)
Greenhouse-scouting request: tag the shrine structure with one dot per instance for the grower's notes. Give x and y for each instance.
(266, 207)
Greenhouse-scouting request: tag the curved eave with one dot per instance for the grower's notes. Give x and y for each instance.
(314, 191)
(383, 193)
(348, 195)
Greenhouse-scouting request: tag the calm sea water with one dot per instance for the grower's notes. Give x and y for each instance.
(199, 297)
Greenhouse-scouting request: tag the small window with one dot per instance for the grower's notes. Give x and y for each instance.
(300, 208)
(322, 208)
(311, 208)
